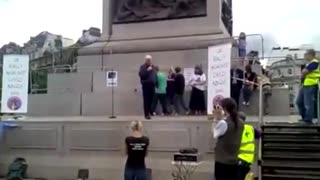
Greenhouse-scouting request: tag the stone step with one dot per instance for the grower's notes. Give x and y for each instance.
(288, 177)
(290, 165)
(287, 140)
(291, 156)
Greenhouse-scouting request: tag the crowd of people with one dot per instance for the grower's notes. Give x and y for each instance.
(168, 88)
(246, 82)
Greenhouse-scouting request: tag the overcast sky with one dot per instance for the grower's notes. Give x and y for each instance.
(289, 22)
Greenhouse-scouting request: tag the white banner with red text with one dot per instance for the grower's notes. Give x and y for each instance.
(219, 65)
(15, 82)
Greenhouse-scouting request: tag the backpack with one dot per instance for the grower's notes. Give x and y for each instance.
(17, 169)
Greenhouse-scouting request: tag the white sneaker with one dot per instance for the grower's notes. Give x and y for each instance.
(248, 104)
(244, 103)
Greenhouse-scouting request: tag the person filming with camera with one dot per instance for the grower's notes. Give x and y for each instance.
(227, 132)
(235, 148)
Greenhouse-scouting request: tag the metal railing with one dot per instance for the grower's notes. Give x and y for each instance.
(318, 103)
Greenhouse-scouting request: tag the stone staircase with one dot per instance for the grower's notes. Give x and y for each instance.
(290, 151)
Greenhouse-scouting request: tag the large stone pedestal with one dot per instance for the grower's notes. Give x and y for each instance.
(179, 42)
(155, 36)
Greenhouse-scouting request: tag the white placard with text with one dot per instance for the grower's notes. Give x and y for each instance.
(219, 64)
(188, 74)
(112, 78)
(15, 83)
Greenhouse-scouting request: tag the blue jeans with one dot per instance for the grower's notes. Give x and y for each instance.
(135, 174)
(306, 102)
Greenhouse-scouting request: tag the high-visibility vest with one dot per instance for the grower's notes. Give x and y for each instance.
(312, 78)
(247, 147)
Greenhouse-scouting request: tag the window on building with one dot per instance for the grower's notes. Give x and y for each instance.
(289, 71)
(279, 72)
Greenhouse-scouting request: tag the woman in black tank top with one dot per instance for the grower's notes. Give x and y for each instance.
(136, 149)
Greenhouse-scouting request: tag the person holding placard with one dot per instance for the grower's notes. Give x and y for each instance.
(198, 84)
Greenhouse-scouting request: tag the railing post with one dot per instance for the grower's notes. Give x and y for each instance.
(261, 109)
(318, 103)
(260, 123)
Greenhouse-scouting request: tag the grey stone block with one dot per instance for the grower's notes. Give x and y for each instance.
(70, 82)
(54, 104)
(279, 103)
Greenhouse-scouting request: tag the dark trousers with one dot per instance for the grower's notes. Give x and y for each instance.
(235, 93)
(179, 102)
(306, 100)
(247, 92)
(197, 100)
(170, 102)
(243, 170)
(135, 174)
(225, 171)
(163, 101)
(148, 91)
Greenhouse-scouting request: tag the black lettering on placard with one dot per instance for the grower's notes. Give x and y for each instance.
(15, 86)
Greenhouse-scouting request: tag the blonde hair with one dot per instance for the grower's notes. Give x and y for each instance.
(136, 125)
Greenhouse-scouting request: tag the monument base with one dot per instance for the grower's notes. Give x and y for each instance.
(56, 147)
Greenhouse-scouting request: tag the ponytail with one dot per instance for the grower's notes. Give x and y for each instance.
(230, 106)
(234, 116)
(136, 125)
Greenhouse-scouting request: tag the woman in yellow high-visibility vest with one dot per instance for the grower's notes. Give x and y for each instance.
(307, 96)
(246, 154)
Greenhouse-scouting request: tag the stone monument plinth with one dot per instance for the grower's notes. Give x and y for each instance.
(161, 34)
(175, 33)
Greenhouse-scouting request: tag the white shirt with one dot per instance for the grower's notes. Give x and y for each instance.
(219, 129)
(198, 81)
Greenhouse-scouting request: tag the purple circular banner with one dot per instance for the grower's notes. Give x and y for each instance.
(14, 103)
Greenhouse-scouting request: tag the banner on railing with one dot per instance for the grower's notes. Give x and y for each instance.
(219, 65)
(15, 81)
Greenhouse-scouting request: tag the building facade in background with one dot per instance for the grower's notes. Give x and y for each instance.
(90, 36)
(44, 42)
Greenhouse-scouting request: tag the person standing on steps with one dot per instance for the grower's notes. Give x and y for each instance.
(136, 149)
(179, 94)
(160, 95)
(236, 83)
(147, 76)
(308, 92)
(171, 90)
(250, 79)
(198, 83)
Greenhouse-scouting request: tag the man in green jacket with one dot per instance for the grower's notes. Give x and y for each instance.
(161, 88)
